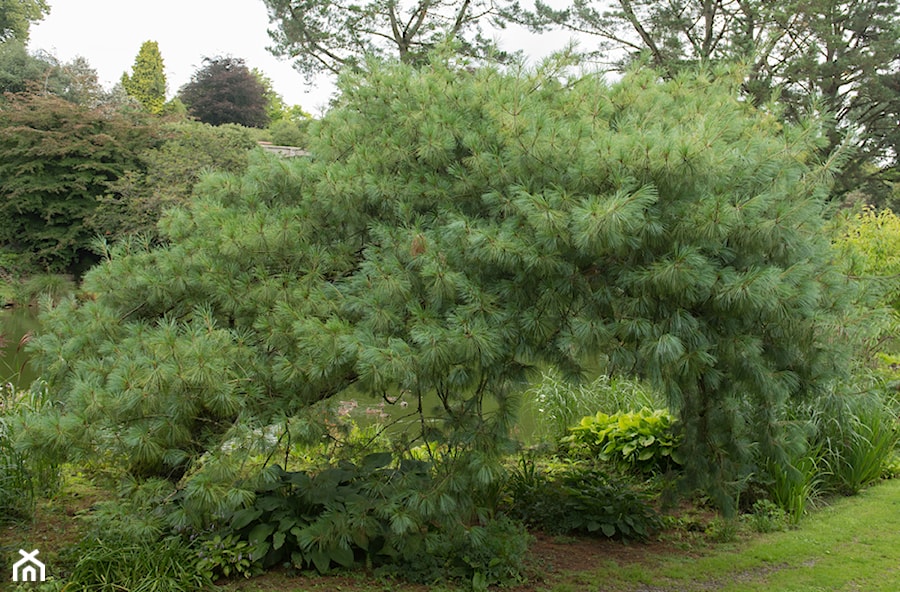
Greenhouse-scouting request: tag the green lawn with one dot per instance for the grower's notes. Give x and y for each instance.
(853, 544)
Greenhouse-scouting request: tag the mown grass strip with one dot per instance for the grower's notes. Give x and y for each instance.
(851, 545)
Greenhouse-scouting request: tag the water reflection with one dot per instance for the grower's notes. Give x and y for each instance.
(16, 327)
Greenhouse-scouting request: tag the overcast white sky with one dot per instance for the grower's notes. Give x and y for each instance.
(109, 33)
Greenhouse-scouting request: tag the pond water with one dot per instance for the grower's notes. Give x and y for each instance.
(16, 326)
(402, 417)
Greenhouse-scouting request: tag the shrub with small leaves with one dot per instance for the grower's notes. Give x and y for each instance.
(869, 245)
(56, 160)
(643, 440)
(767, 516)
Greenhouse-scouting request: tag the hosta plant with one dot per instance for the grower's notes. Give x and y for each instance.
(396, 516)
(643, 440)
(579, 498)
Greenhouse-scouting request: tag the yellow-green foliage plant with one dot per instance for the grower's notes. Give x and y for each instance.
(868, 243)
(643, 440)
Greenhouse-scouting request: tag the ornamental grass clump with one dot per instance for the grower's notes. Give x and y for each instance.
(857, 436)
(22, 477)
(554, 404)
(16, 488)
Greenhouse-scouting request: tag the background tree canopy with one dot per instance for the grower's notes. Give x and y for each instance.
(16, 17)
(837, 57)
(329, 36)
(453, 231)
(225, 91)
(74, 81)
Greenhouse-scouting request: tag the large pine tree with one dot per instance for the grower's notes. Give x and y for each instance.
(453, 231)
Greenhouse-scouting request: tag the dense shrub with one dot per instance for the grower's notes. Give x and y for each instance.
(869, 244)
(56, 160)
(167, 174)
(369, 513)
(289, 132)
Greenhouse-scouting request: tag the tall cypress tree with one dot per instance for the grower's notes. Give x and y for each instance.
(454, 231)
(147, 82)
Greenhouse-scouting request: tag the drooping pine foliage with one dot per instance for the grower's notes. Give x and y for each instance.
(453, 230)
